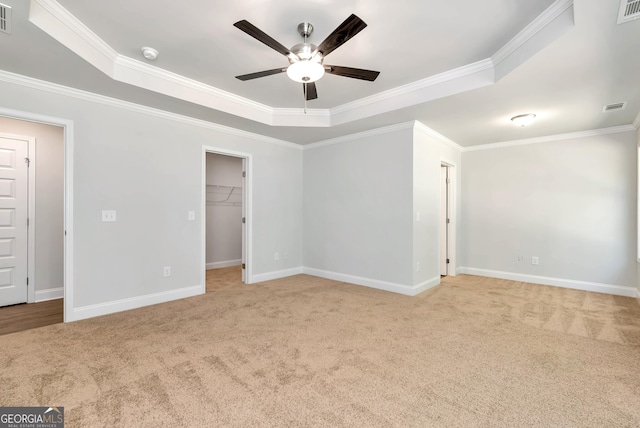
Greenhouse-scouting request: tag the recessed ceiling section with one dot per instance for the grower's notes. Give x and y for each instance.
(201, 58)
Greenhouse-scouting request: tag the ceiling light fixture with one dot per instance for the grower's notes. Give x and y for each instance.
(149, 53)
(523, 119)
(305, 71)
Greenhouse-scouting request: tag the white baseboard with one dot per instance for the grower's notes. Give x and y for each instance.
(91, 311)
(226, 263)
(619, 290)
(407, 290)
(261, 277)
(49, 294)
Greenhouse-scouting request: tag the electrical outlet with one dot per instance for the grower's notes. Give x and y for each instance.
(167, 271)
(535, 261)
(276, 256)
(108, 215)
(520, 259)
(191, 215)
(417, 266)
(285, 255)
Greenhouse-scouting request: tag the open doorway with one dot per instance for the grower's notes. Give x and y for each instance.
(444, 220)
(447, 219)
(32, 223)
(225, 220)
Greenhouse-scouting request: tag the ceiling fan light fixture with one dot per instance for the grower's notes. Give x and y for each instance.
(305, 71)
(523, 119)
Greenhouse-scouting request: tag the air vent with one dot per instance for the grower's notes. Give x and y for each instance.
(614, 106)
(629, 10)
(5, 18)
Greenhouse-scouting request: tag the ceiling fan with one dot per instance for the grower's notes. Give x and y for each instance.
(306, 59)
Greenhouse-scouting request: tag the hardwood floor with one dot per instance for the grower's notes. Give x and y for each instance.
(30, 315)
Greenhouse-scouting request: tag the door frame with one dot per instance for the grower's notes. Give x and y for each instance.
(247, 198)
(67, 126)
(453, 215)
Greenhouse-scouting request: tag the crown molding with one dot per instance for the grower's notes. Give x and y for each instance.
(41, 85)
(461, 79)
(360, 135)
(421, 127)
(549, 138)
(636, 123)
(60, 24)
(536, 26)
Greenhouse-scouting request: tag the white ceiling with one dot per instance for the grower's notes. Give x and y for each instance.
(462, 68)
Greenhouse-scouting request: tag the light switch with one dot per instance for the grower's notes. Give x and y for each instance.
(108, 215)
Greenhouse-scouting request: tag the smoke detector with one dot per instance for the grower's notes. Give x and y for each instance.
(5, 18)
(629, 11)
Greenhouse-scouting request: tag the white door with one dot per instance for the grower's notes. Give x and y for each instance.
(444, 220)
(244, 220)
(13, 220)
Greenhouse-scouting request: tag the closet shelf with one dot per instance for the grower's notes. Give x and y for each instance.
(222, 195)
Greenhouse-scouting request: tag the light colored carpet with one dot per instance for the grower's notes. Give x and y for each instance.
(304, 351)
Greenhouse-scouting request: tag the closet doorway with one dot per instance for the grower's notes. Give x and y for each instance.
(225, 220)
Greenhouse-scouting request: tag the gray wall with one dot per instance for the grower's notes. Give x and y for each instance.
(428, 155)
(149, 169)
(357, 207)
(571, 203)
(224, 226)
(49, 224)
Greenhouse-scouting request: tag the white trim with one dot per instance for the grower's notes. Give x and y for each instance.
(54, 88)
(99, 309)
(49, 294)
(453, 216)
(393, 287)
(67, 126)
(268, 276)
(619, 290)
(247, 204)
(360, 135)
(531, 30)
(636, 122)
(63, 26)
(548, 138)
(421, 127)
(450, 82)
(31, 228)
(224, 264)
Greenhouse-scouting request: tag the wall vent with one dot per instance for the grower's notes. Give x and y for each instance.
(629, 10)
(614, 106)
(5, 18)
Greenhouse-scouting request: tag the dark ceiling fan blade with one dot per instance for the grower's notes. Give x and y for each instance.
(261, 74)
(261, 36)
(349, 28)
(310, 90)
(355, 73)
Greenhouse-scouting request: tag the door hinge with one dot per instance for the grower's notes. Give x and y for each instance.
(244, 174)
(27, 221)
(27, 280)
(27, 161)
(448, 181)
(448, 221)
(447, 260)
(244, 219)
(244, 266)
